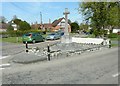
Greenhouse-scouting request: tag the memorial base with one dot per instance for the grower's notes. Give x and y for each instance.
(66, 39)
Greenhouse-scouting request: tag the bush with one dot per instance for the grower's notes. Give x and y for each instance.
(20, 33)
(96, 32)
(99, 33)
(113, 35)
(74, 27)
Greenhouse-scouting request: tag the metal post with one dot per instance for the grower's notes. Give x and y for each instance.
(26, 46)
(109, 43)
(48, 52)
(16, 37)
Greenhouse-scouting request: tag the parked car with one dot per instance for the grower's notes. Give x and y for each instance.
(32, 37)
(4, 36)
(53, 36)
(60, 32)
(118, 33)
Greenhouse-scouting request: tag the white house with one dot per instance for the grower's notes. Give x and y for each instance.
(116, 30)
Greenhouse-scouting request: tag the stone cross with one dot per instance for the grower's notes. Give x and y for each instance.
(66, 21)
(66, 38)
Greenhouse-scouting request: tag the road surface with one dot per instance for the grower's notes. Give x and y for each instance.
(97, 67)
(14, 48)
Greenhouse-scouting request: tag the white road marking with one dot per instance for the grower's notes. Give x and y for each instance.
(2, 57)
(116, 75)
(2, 68)
(4, 65)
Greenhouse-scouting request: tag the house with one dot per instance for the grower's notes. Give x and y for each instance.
(3, 27)
(54, 26)
(116, 29)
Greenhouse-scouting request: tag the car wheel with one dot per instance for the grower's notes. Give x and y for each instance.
(33, 41)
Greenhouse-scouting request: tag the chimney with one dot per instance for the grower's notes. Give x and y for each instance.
(36, 22)
(36, 27)
(31, 23)
(49, 21)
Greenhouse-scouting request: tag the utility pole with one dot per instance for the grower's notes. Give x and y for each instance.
(41, 19)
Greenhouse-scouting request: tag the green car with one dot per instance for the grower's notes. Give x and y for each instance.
(32, 37)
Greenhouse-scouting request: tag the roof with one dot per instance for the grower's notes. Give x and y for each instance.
(3, 26)
(47, 25)
(56, 22)
(35, 25)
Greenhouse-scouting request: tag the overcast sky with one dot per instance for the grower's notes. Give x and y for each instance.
(30, 11)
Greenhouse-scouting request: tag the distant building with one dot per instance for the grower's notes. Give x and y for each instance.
(3, 27)
(116, 30)
(54, 26)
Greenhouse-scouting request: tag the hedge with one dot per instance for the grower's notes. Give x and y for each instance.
(20, 33)
(113, 35)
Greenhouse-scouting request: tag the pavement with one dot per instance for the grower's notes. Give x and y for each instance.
(26, 58)
(35, 56)
(23, 57)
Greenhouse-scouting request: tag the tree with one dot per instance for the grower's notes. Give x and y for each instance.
(74, 27)
(100, 14)
(113, 15)
(84, 27)
(2, 19)
(17, 21)
(23, 25)
(10, 28)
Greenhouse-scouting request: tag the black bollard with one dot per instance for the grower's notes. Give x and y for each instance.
(109, 43)
(48, 52)
(26, 46)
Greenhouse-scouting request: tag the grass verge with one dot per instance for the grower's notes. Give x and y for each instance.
(12, 39)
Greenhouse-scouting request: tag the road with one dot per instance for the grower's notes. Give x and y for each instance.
(14, 48)
(9, 50)
(97, 67)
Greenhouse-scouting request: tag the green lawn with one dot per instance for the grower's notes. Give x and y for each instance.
(114, 45)
(12, 39)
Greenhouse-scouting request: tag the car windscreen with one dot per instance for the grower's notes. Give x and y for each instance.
(52, 34)
(28, 34)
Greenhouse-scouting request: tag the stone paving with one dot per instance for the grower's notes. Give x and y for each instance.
(26, 58)
(71, 49)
